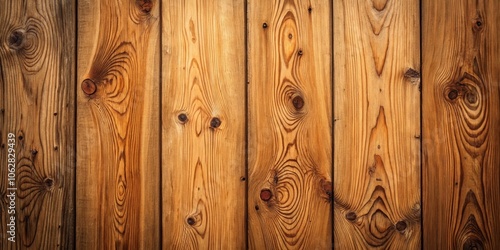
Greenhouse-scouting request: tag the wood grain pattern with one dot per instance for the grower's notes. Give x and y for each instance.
(377, 125)
(37, 42)
(203, 124)
(461, 124)
(290, 123)
(118, 178)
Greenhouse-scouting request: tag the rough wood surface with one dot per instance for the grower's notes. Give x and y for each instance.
(461, 124)
(203, 122)
(290, 125)
(118, 175)
(37, 43)
(377, 124)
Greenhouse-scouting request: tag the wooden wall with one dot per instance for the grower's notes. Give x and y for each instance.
(232, 124)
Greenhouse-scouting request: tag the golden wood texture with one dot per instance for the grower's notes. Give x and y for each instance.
(37, 43)
(290, 124)
(203, 124)
(118, 175)
(461, 124)
(377, 124)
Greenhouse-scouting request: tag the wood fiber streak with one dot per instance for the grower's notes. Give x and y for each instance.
(37, 42)
(203, 124)
(461, 124)
(377, 125)
(290, 124)
(118, 125)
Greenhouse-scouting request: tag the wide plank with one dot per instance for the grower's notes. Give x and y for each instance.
(37, 71)
(461, 124)
(118, 155)
(290, 124)
(203, 124)
(377, 125)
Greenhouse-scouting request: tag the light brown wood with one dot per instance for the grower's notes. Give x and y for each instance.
(290, 124)
(118, 175)
(377, 124)
(37, 48)
(461, 124)
(203, 124)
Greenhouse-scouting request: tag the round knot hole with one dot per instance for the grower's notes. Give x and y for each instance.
(298, 102)
(182, 117)
(215, 122)
(89, 87)
(401, 226)
(453, 94)
(264, 25)
(16, 39)
(191, 221)
(49, 182)
(265, 194)
(351, 216)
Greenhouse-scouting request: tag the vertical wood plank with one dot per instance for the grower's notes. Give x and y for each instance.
(37, 48)
(461, 124)
(377, 124)
(118, 181)
(290, 124)
(203, 117)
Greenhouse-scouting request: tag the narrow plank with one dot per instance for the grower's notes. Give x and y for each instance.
(290, 125)
(37, 106)
(377, 125)
(461, 121)
(118, 178)
(203, 124)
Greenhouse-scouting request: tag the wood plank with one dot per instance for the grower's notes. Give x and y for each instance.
(377, 125)
(37, 106)
(461, 121)
(118, 178)
(290, 125)
(203, 124)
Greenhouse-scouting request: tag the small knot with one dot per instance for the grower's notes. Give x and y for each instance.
(89, 87)
(215, 122)
(351, 216)
(182, 117)
(401, 226)
(49, 182)
(471, 97)
(265, 194)
(191, 221)
(242, 178)
(300, 52)
(264, 25)
(145, 5)
(16, 39)
(34, 152)
(453, 94)
(298, 102)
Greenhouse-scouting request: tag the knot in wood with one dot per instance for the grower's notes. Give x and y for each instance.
(351, 216)
(264, 25)
(401, 226)
(473, 244)
(145, 5)
(453, 94)
(298, 102)
(49, 182)
(411, 73)
(16, 39)
(89, 87)
(265, 194)
(191, 221)
(215, 122)
(182, 117)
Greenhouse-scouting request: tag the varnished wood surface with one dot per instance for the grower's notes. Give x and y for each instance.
(461, 124)
(377, 125)
(118, 154)
(203, 124)
(290, 124)
(37, 48)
